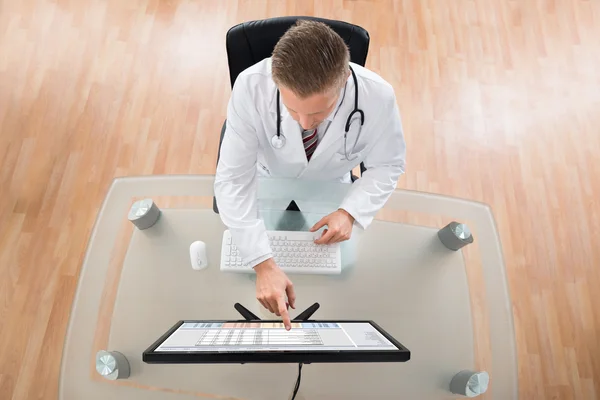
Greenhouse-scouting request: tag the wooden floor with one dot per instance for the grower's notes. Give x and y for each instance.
(500, 103)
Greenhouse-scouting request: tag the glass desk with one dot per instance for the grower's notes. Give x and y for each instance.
(451, 309)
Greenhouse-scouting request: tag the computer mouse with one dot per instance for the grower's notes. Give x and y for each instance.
(198, 256)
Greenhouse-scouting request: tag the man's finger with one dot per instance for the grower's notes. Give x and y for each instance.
(291, 295)
(284, 314)
(277, 307)
(270, 305)
(336, 238)
(263, 304)
(322, 222)
(326, 237)
(274, 306)
(267, 305)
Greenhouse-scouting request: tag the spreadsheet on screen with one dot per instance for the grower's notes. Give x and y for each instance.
(272, 336)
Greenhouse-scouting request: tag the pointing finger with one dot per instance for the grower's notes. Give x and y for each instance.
(284, 314)
(322, 222)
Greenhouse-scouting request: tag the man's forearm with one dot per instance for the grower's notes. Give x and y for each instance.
(236, 197)
(265, 266)
(260, 260)
(370, 193)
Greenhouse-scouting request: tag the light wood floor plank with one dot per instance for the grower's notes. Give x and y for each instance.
(499, 101)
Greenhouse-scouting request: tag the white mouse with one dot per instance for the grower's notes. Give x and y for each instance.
(198, 255)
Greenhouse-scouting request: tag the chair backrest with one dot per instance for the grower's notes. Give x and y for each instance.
(250, 42)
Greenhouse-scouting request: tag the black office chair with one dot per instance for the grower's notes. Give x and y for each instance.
(250, 42)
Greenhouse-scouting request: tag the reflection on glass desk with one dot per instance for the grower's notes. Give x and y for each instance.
(451, 309)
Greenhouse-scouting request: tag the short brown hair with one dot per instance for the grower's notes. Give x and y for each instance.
(310, 58)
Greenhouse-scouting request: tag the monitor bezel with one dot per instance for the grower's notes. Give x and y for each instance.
(151, 356)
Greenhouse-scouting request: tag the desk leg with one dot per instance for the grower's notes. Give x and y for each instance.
(469, 383)
(112, 365)
(144, 214)
(455, 236)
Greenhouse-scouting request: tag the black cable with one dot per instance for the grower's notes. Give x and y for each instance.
(297, 382)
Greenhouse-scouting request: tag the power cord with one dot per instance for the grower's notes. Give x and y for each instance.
(297, 386)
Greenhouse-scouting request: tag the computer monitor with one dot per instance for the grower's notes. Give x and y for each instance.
(268, 341)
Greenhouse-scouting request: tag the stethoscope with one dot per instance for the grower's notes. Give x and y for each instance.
(278, 140)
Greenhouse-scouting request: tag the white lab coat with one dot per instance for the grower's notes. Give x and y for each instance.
(247, 153)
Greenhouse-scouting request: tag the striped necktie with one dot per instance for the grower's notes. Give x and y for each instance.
(309, 139)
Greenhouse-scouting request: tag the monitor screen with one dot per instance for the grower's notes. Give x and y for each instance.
(313, 336)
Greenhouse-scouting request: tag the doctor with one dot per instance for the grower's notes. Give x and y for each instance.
(306, 113)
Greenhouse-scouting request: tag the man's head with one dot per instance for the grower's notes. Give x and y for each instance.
(310, 65)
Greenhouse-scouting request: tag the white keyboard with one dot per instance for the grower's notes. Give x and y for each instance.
(294, 252)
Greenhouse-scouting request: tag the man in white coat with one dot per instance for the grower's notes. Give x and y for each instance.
(315, 88)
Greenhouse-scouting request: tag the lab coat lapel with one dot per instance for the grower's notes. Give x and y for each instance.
(293, 151)
(293, 134)
(335, 131)
(292, 156)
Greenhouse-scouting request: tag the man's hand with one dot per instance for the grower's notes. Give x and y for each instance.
(339, 227)
(272, 285)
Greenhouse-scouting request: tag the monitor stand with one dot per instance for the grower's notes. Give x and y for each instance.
(250, 316)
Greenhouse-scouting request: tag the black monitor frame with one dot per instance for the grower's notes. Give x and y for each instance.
(151, 356)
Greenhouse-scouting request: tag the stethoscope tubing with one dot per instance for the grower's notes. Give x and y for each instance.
(278, 141)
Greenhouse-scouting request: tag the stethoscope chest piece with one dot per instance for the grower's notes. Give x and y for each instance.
(278, 141)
